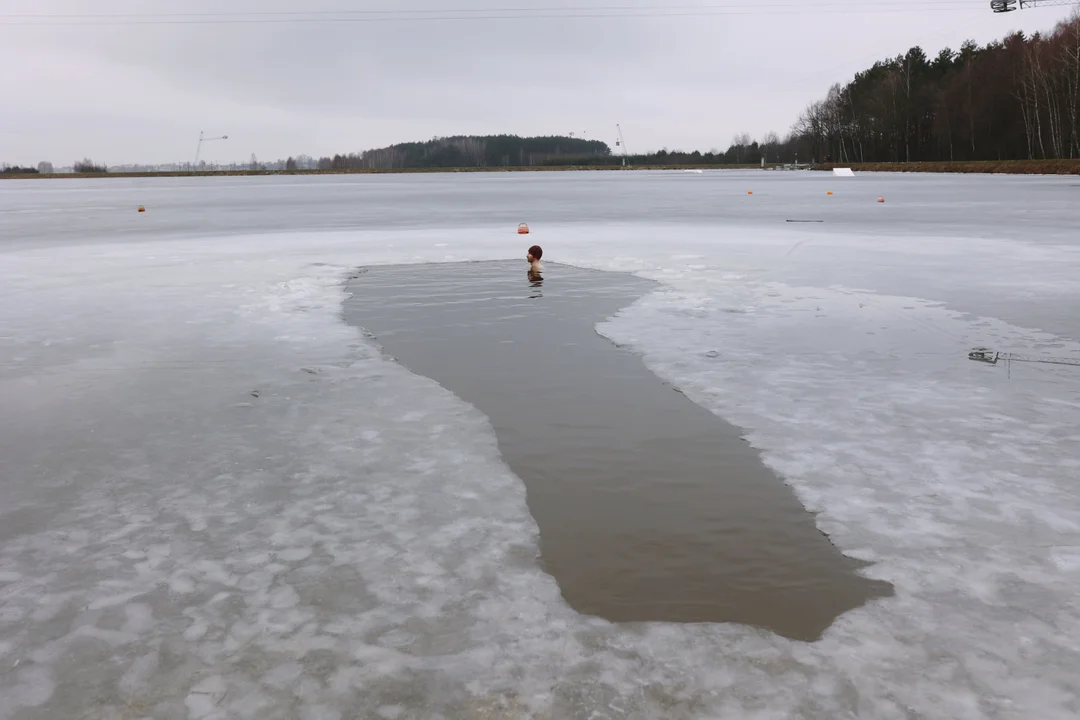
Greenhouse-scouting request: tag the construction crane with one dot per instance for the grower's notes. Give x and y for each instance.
(621, 142)
(202, 139)
(1004, 6)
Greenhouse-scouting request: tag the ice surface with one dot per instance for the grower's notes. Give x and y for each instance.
(218, 500)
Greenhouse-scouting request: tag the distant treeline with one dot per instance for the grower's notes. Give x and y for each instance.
(470, 151)
(16, 170)
(552, 151)
(743, 150)
(1017, 99)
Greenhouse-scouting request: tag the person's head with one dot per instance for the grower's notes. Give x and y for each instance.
(535, 253)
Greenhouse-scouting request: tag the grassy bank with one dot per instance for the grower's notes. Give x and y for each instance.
(393, 171)
(1010, 167)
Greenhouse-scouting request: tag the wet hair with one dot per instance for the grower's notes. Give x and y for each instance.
(536, 251)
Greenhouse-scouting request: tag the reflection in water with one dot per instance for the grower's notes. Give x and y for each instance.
(536, 281)
(650, 508)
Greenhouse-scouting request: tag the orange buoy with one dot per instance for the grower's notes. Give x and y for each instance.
(142, 209)
(881, 199)
(829, 193)
(749, 192)
(523, 229)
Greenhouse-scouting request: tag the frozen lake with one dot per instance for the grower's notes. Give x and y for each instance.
(218, 499)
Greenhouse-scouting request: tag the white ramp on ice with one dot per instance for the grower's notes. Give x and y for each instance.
(843, 172)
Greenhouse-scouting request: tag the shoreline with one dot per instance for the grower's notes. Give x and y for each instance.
(993, 167)
(374, 171)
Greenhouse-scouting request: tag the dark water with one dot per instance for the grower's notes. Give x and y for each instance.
(650, 508)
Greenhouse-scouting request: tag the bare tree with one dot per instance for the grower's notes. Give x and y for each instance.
(1034, 77)
(1026, 90)
(45, 167)
(812, 125)
(740, 143)
(86, 165)
(1070, 50)
(770, 141)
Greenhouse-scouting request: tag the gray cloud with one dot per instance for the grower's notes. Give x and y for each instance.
(133, 93)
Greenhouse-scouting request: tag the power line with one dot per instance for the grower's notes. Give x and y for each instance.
(473, 11)
(458, 18)
(467, 15)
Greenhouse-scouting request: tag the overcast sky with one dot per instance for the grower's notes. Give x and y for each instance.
(125, 93)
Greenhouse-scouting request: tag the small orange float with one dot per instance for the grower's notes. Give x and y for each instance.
(142, 209)
(881, 199)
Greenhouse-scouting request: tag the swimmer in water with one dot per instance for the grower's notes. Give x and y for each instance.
(535, 268)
